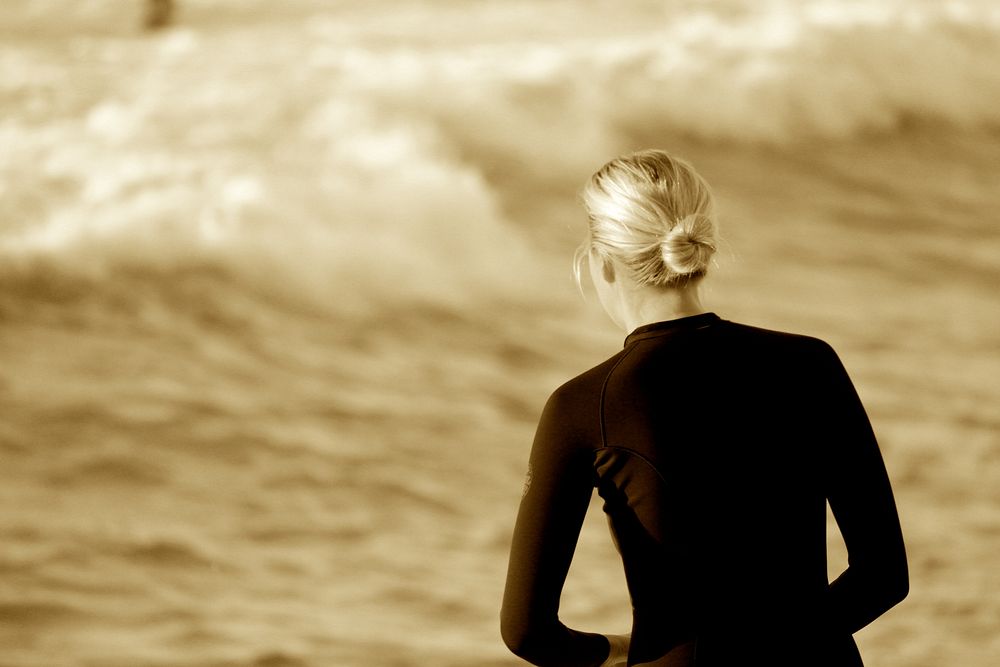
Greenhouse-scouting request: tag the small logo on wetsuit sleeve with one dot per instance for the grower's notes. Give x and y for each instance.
(527, 482)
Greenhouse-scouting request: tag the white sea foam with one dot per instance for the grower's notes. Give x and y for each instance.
(339, 162)
(786, 72)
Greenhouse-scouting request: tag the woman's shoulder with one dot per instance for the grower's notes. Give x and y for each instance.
(586, 384)
(777, 338)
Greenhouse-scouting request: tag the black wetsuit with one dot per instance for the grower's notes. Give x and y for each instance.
(715, 446)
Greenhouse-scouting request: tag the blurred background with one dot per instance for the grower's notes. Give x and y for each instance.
(284, 286)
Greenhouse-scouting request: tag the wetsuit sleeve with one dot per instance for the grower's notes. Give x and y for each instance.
(862, 502)
(555, 500)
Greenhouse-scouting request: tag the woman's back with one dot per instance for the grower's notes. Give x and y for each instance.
(713, 468)
(715, 446)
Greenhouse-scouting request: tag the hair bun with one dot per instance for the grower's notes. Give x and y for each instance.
(653, 213)
(689, 245)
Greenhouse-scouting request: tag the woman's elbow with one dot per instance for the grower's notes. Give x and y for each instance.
(516, 637)
(892, 581)
(528, 641)
(898, 587)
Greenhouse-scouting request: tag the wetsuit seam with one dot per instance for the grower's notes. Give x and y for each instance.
(641, 457)
(668, 327)
(604, 391)
(647, 335)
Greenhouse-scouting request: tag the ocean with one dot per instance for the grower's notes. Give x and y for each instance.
(284, 287)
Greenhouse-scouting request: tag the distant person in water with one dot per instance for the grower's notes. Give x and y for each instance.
(159, 14)
(715, 447)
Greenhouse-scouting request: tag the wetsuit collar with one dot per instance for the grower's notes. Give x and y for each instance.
(698, 321)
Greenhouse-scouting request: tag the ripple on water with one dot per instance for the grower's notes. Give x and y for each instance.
(38, 612)
(114, 470)
(167, 553)
(278, 659)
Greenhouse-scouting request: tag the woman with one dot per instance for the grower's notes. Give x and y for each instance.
(715, 447)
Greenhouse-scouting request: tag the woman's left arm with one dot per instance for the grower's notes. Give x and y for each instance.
(555, 500)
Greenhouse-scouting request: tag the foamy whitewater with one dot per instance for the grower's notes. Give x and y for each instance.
(284, 287)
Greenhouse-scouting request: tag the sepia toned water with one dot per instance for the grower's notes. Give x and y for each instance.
(284, 287)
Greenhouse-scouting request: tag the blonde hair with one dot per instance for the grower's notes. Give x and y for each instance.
(653, 213)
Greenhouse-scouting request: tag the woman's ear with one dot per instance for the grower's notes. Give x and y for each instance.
(608, 270)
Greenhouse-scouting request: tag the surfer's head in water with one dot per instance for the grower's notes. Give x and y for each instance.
(652, 232)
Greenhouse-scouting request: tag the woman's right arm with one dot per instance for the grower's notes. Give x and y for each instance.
(555, 500)
(861, 498)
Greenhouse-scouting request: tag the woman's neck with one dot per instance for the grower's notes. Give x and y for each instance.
(644, 305)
